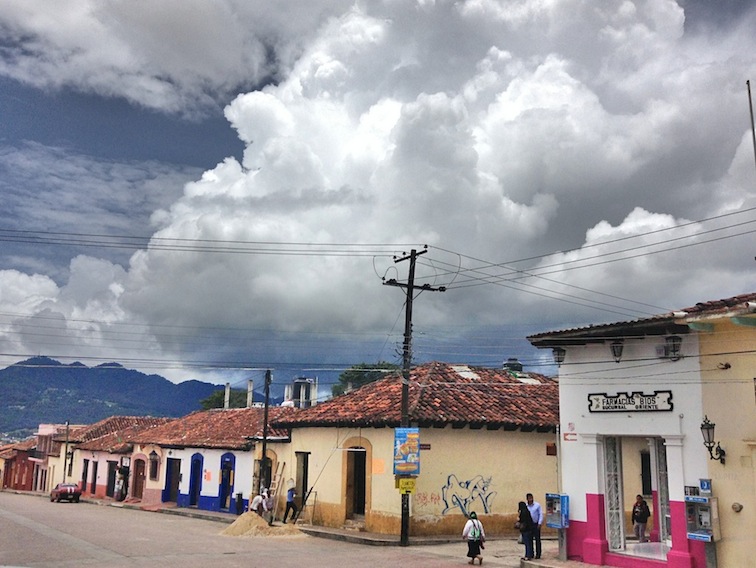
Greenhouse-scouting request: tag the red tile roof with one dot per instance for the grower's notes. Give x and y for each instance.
(441, 394)
(11, 450)
(719, 307)
(120, 441)
(113, 424)
(233, 428)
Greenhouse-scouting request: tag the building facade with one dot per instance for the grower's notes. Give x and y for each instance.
(635, 398)
(485, 440)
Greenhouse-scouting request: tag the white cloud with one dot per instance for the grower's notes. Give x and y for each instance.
(499, 130)
(173, 56)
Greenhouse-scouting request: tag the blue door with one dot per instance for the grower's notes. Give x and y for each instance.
(195, 480)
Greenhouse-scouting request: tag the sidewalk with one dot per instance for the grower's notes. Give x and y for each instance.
(495, 547)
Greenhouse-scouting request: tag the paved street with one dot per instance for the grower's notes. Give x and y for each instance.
(37, 533)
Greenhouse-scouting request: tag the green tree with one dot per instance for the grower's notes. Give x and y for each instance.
(238, 399)
(362, 374)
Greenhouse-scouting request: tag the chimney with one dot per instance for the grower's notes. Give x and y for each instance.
(227, 398)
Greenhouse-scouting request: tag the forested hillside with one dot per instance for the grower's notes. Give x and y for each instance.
(43, 390)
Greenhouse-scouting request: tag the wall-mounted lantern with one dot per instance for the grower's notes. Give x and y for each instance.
(707, 429)
(674, 342)
(617, 347)
(559, 353)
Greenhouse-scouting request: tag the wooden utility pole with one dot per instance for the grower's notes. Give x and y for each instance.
(65, 455)
(264, 468)
(407, 363)
(753, 130)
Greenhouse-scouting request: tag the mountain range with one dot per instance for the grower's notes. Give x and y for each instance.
(42, 390)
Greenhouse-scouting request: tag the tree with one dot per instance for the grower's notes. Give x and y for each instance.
(362, 374)
(237, 399)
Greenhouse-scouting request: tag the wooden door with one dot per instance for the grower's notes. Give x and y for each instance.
(138, 484)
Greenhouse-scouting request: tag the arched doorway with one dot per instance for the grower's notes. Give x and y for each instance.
(138, 485)
(195, 480)
(355, 482)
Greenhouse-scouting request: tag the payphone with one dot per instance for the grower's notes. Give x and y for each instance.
(557, 510)
(702, 517)
(558, 517)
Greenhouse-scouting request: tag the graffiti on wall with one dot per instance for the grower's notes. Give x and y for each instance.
(423, 499)
(467, 495)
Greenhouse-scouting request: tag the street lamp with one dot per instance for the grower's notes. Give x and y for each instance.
(617, 347)
(559, 353)
(707, 430)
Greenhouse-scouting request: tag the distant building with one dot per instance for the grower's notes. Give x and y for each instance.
(206, 459)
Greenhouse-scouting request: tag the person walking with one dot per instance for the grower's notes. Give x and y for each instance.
(290, 504)
(536, 513)
(475, 536)
(640, 518)
(525, 525)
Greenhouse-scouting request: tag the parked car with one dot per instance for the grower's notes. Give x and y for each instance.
(67, 491)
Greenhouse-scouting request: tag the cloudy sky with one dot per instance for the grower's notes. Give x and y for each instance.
(206, 190)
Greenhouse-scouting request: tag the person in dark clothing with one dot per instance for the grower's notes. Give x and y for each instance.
(640, 518)
(525, 524)
(290, 505)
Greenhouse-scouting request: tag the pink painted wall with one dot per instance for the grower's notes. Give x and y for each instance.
(586, 541)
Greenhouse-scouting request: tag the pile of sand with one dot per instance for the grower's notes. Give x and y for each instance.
(252, 524)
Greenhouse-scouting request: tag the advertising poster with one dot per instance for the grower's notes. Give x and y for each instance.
(407, 451)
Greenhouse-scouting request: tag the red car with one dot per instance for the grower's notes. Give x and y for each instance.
(67, 491)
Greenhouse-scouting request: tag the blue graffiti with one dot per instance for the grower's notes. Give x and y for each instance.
(463, 495)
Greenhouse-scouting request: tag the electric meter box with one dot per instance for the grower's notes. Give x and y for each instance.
(702, 517)
(557, 510)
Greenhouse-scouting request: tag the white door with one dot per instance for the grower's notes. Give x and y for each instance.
(665, 532)
(615, 517)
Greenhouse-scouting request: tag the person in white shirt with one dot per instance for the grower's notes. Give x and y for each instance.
(257, 504)
(537, 515)
(475, 536)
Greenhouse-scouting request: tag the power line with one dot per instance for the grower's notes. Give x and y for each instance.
(176, 244)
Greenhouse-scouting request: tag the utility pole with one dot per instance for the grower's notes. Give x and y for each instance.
(264, 469)
(407, 363)
(65, 454)
(753, 130)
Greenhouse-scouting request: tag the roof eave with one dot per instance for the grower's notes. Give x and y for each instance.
(606, 332)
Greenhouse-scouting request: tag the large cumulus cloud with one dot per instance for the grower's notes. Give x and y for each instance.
(495, 132)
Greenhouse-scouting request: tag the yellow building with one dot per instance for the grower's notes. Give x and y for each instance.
(486, 438)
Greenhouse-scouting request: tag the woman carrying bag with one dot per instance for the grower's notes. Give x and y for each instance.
(525, 524)
(475, 536)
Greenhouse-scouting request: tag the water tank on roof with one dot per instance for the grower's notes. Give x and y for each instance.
(513, 364)
(302, 392)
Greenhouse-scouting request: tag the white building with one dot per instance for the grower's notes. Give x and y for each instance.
(633, 399)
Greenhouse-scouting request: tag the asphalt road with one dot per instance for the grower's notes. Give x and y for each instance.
(37, 533)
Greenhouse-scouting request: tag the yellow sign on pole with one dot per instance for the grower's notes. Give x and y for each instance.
(407, 485)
